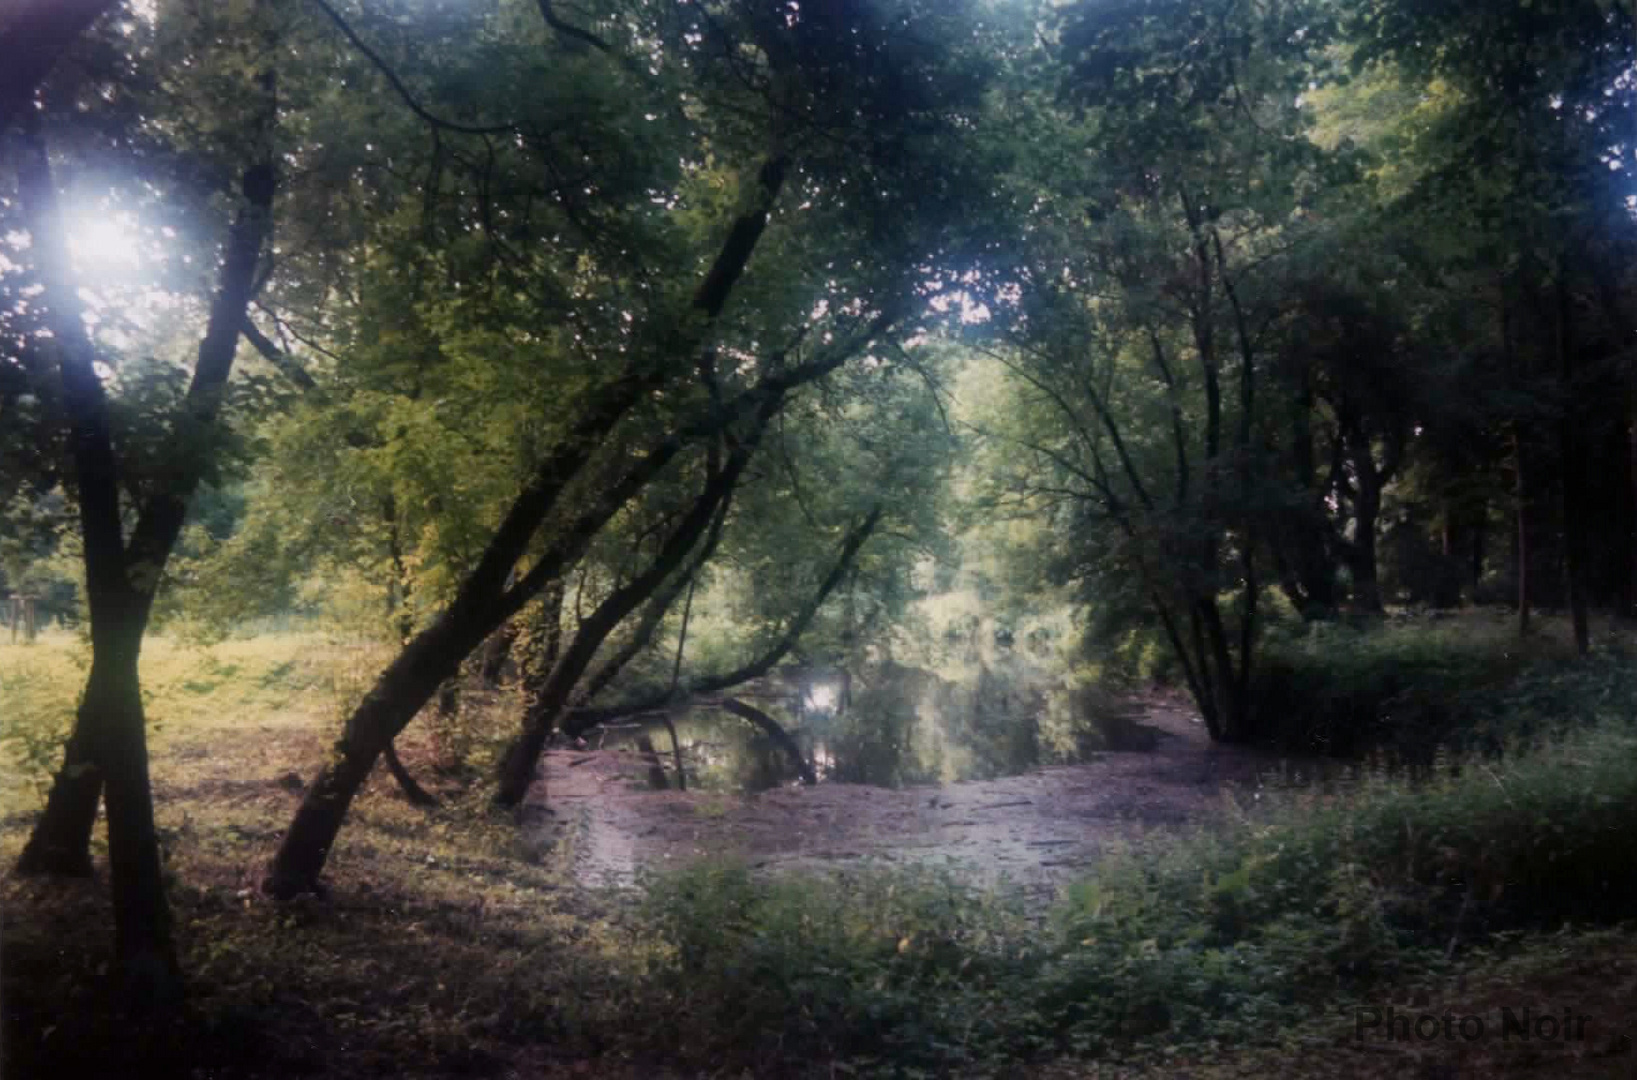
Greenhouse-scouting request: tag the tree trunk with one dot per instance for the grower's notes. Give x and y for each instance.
(399, 693)
(583, 718)
(481, 605)
(1311, 576)
(110, 728)
(1521, 495)
(1251, 594)
(1202, 683)
(399, 613)
(1361, 553)
(61, 841)
(1630, 606)
(518, 765)
(1233, 708)
(1475, 571)
(676, 753)
(142, 919)
(38, 32)
(1574, 519)
(545, 643)
(656, 767)
(496, 652)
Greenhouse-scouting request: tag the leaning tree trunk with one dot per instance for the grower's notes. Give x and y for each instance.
(399, 612)
(482, 604)
(771, 727)
(518, 765)
(543, 646)
(407, 783)
(402, 689)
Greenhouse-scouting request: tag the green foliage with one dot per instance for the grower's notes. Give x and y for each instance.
(40, 556)
(1330, 894)
(1414, 685)
(878, 974)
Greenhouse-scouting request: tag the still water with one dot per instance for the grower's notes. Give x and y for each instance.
(891, 726)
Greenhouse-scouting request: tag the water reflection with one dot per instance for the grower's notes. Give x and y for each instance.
(894, 725)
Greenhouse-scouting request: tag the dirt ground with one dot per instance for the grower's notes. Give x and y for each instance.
(1033, 830)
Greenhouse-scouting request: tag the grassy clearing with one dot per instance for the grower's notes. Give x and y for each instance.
(198, 699)
(455, 943)
(446, 932)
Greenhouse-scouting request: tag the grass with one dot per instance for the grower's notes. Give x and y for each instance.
(1594, 973)
(455, 943)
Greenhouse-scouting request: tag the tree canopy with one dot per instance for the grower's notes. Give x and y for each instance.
(555, 330)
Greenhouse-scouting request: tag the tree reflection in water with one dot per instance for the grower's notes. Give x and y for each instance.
(896, 725)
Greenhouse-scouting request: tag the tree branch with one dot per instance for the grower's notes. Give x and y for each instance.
(570, 30)
(580, 720)
(403, 91)
(283, 361)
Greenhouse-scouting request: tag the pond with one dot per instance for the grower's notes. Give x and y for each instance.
(891, 726)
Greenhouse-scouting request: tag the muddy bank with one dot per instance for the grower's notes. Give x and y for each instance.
(1034, 829)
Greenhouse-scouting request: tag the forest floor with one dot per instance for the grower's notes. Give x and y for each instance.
(453, 943)
(1034, 831)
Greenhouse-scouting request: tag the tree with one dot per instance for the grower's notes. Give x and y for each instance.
(108, 749)
(37, 34)
(1152, 278)
(1514, 167)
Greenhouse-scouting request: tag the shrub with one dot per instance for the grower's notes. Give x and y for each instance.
(1410, 685)
(1227, 934)
(877, 972)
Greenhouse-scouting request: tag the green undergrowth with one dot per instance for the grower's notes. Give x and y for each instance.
(1411, 686)
(455, 941)
(1215, 939)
